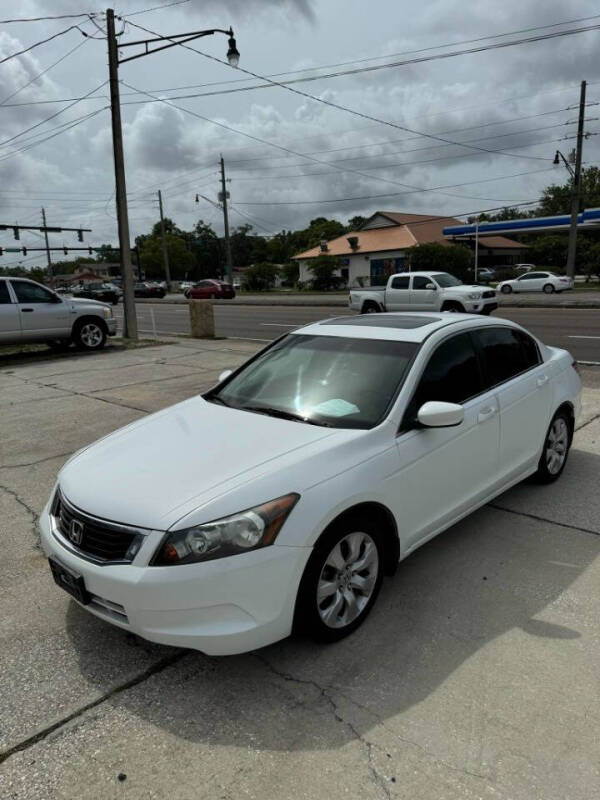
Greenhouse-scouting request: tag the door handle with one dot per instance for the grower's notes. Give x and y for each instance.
(486, 413)
(25, 310)
(543, 380)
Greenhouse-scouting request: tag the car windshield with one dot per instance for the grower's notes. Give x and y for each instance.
(321, 380)
(445, 280)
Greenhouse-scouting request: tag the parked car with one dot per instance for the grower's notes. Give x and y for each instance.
(524, 267)
(104, 292)
(486, 274)
(210, 289)
(536, 282)
(424, 291)
(29, 312)
(281, 497)
(148, 290)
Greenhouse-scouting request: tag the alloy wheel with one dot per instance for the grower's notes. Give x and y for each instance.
(91, 335)
(347, 580)
(557, 445)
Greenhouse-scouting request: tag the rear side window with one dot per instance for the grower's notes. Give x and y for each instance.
(4, 295)
(530, 350)
(452, 375)
(400, 282)
(502, 353)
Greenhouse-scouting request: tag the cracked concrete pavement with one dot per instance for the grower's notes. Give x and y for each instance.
(475, 676)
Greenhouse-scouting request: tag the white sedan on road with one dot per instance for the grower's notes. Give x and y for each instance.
(536, 282)
(280, 499)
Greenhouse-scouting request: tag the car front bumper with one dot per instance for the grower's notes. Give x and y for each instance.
(481, 306)
(111, 326)
(221, 607)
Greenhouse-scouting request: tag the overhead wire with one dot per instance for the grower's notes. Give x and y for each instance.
(43, 41)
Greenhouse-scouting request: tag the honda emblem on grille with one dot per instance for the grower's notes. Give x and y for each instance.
(76, 532)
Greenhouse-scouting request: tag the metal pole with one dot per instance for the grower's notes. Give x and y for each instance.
(164, 243)
(49, 259)
(476, 246)
(226, 222)
(130, 321)
(576, 188)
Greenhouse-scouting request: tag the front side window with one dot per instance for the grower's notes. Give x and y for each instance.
(502, 353)
(324, 380)
(451, 375)
(421, 281)
(32, 293)
(400, 282)
(4, 295)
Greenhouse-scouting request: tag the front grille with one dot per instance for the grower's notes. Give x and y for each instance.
(102, 540)
(489, 294)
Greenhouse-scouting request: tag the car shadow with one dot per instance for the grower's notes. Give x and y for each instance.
(492, 575)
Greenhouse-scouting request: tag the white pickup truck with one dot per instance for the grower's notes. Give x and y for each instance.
(29, 312)
(424, 291)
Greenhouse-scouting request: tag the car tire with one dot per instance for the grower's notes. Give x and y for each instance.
(506, 289)
(89, 334)
(454, 307)
(556, 448)
(341, 580)
(186, 294)
(370, 308)
(549, 288)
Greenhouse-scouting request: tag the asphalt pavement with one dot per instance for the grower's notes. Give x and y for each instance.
(575, 329)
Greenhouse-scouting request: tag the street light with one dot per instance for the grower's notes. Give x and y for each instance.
(557, 157)
(114, 47)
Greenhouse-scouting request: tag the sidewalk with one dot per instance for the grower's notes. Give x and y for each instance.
(475, 676)
(582, 299)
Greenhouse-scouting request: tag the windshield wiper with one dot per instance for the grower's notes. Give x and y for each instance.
(277, 412)
(214, 398)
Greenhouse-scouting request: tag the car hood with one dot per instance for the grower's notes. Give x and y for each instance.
(160, 468)
(87, 301)
(467, 289)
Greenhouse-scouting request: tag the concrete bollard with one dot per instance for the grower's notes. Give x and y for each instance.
(202, 320)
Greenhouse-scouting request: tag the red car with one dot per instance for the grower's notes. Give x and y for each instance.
(211, 289)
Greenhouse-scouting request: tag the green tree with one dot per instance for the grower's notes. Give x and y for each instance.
(592, 261)
(456, 259)
(260, 277)
(290, 273)
(323, 269)
(208, 252)
(354, 223)
(181, 260)
(556, 198)
(323, 228)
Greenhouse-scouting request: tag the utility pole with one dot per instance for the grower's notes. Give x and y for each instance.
(223, 199)
(576, 188)
(47, 243)
(130, 321)
(164, 243)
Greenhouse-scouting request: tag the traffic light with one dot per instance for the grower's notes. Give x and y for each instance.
(90, 251)
(80, 235)
(65, 251)
(1, 252)
(16, 233)
(24, 251)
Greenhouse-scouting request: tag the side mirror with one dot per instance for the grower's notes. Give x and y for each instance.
(57, 299)
(431, 286)
(224, 375)
(436, 414)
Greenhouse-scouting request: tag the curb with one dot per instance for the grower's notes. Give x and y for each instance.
(331, 303)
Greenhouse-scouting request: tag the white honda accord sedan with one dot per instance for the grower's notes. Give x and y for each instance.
(280, 499)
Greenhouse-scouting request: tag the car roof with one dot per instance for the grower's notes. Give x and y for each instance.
(414, 326)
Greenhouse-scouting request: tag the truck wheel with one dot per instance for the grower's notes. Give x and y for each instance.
(451, 305)
(89, 334)
(370, 308)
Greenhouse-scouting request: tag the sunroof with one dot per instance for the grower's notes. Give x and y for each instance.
(402, 321)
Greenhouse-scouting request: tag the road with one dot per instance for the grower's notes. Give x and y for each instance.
(577, 330)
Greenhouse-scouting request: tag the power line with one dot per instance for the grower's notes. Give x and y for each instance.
(43, 41)
(330, 103)
(156, 8)
(378, 58)
(40, 19)
(358, 70)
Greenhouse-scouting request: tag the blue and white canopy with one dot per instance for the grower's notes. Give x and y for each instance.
(589, 218)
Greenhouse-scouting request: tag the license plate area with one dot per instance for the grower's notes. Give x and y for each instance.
(70, 581)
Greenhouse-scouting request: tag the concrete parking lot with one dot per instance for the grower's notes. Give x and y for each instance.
(476, 676)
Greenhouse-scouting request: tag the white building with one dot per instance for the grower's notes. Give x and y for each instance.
(380, 248)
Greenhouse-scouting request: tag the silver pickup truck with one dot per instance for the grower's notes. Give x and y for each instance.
(424, 291)
(29, 312)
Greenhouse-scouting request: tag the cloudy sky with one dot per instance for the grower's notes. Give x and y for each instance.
(290, 157)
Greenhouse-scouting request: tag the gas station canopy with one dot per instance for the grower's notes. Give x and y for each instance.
(590, 218)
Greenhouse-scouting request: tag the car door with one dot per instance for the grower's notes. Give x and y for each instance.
(397, 295)
(527, 283)
(10, 325)
(422, 299)
(42, 313)
(514, 371)
(446, 471)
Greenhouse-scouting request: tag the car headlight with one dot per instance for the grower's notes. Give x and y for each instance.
(475, 296)
(249, 530)
(107, 312)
